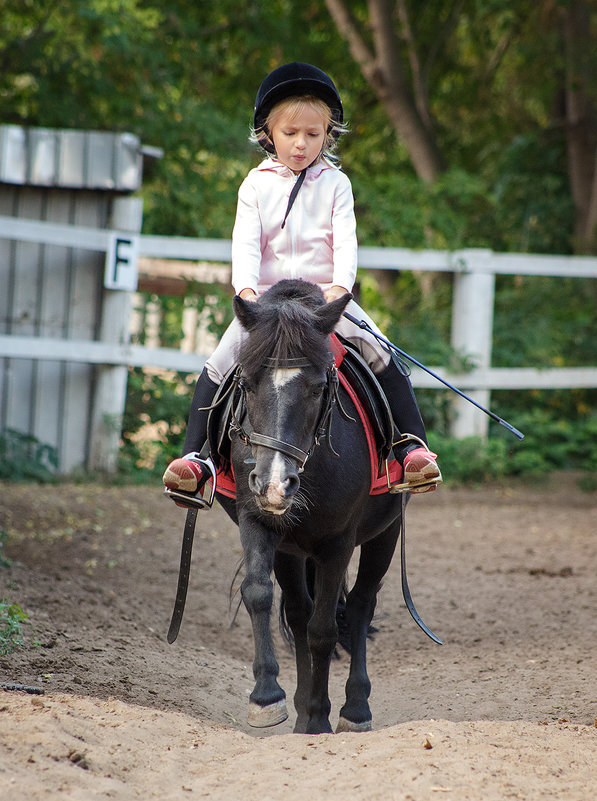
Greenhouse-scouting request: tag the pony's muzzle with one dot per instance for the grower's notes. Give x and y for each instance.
(274, 494)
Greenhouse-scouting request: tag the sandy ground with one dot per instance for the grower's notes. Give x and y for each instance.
(506, 708)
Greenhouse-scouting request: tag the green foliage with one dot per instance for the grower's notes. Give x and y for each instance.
(526, 336)
(12, 619)
(470, 461)
(24, 457)
(553, 443)
(396, 209)
(212, 301)
(154, 422)
(548, 446)
(534, 212)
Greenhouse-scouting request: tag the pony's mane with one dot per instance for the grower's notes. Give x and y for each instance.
(286, 328)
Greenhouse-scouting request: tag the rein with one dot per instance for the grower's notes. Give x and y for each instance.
(322, 427)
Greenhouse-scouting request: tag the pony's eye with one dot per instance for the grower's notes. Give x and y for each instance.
(317, 391)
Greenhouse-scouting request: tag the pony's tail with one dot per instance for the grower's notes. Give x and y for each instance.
(234, 592)
(285, 630)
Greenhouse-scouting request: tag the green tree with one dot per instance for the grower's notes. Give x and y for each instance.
(460, 80)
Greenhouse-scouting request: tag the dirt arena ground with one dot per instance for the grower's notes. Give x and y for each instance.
(506, 708)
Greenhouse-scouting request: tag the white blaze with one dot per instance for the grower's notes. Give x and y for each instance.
(283, 375)
(275, 488)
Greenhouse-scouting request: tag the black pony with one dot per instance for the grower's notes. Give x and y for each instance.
(299, 499)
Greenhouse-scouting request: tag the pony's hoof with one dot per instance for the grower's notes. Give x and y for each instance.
(260, 717)
(348, 725)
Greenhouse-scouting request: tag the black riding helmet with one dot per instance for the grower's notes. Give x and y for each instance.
(291, 80)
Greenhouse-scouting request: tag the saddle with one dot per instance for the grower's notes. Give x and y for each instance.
(362, 386)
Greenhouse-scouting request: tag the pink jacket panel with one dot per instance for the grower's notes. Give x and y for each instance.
(318, 242)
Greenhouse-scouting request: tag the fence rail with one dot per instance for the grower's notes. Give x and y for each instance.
(85, 352)
(477, 260)
(472, 316)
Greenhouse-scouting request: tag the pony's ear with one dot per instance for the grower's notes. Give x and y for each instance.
(247, 312)
(327, 316)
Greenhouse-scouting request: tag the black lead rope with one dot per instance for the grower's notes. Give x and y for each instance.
(295, 190)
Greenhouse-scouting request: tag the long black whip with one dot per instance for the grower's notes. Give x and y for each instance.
(364, 325)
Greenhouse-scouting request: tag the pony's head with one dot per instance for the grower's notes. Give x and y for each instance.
(285, 363)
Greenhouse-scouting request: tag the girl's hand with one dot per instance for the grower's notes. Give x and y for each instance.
(334, 292)
(248, 294)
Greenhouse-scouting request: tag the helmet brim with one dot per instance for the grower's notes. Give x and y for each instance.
(296, 88)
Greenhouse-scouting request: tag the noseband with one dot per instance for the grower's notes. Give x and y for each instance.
(322, 428)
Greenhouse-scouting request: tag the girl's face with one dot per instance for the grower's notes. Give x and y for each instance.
(298, 137)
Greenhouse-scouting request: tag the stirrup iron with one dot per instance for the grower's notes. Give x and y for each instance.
(406, 486)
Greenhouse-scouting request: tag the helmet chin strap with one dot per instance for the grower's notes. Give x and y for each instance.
(295, 189)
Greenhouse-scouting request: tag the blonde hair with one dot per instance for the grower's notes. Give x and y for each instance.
(293, 107)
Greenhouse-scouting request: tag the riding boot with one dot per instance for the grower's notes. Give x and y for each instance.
(186, 477)
(421, 473)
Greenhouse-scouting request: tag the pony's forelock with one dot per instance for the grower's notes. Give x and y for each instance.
(287, 327)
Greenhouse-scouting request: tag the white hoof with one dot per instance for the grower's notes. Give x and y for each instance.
(263, 716)
(348, 725)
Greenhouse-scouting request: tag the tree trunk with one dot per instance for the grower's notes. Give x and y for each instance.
(384, 71)
(581, 123)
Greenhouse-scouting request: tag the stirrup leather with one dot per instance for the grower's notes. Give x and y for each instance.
(406, 486)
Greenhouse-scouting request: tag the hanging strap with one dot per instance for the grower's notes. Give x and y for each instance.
(183, 575)
(295, 190)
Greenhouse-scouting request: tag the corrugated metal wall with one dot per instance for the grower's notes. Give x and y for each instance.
(74, 178)
(50, 291)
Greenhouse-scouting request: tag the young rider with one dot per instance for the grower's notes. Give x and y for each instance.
(295, 219)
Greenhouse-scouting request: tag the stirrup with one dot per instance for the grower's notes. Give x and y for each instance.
(196, 501)
(190, 501)
(407, 486)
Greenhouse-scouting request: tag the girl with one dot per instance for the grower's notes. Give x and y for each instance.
(295, 219)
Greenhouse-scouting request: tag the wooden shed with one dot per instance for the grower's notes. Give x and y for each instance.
(52, 292)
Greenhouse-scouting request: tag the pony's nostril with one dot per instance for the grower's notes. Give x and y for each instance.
(291, 485)
(255, 484)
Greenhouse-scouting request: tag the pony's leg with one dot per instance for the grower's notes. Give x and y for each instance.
(375, 559)
(267, 702)
(322, 631)
(290, 573)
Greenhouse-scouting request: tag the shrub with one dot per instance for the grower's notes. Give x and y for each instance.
(12, 619)
(24, 457)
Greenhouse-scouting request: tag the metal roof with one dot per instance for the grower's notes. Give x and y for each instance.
(71, 158)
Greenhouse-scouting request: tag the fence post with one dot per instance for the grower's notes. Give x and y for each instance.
(110, 388)
(472, 331)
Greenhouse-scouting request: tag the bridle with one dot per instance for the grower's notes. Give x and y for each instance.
(322, 429)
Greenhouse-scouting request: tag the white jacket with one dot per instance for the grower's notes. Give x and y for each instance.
(318, 242)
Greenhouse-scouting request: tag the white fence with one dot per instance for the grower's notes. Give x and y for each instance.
(472, 318)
